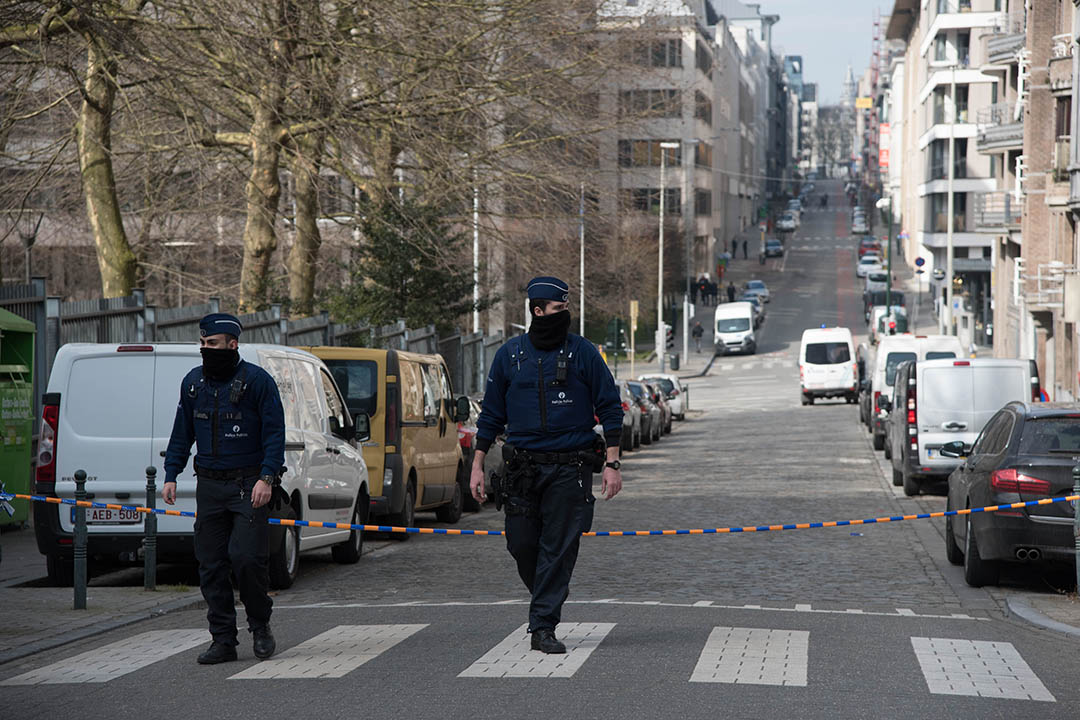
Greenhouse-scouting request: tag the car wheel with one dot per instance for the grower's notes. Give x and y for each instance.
(897, 478)
(888, 451)
(803, 399)
(451, 512)
(879, 442)
(284, 561)
(349, 552)
(407, 516)
(646, 437)
(911, 485)
(952, 550)
(637, 440)
(667, 429)
(61, 571)
(977, 572)
(625, 441)
(468, 502)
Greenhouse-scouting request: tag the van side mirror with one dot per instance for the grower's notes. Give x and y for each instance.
(337, 430)
(361, 427)
(462, 409)
(954, 449)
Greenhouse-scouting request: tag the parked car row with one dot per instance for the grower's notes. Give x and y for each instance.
(369, 435)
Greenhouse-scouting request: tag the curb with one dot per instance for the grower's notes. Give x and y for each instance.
(1022, 610)
(183, 603)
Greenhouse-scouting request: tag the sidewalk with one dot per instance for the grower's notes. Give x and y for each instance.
(36, 617)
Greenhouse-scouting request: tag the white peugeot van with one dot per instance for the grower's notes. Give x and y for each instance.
(735, 328)
(827, 365)
(109, 410)
(893, 350)
(941, 401)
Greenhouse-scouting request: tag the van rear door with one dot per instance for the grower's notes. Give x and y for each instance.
(945, 409)
(106, 411)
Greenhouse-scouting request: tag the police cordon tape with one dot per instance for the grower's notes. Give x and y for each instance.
(594, 533)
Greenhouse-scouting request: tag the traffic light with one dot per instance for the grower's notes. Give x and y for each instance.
(669, 337)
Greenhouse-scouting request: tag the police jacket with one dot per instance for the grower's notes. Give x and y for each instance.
(235, 423)
(539, 413)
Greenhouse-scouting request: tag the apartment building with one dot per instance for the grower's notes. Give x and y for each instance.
(944, 84)
(1032, 213)
(809, 153)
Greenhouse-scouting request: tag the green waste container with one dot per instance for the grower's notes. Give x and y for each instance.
(16, 410)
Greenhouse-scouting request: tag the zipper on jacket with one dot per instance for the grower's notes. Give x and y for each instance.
(214, 427)
(540, 385)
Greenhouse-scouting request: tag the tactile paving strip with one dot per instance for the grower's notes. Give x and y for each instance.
(754, 656)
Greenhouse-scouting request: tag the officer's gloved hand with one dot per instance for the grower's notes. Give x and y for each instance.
(275, 491)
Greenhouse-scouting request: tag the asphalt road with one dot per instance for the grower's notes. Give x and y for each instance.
(865, 622)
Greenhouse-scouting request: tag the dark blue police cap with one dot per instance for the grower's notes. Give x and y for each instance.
(216, 323)
(548, 288)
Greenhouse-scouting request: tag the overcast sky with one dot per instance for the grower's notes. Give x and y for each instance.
(828, 35)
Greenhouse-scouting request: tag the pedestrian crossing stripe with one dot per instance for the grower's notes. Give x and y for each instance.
(113, 660)
(515, 658)
(731, 655)
(333, 654)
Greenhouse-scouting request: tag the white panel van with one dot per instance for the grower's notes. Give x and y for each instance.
(734, 325)
(109, 410)
(827, 365)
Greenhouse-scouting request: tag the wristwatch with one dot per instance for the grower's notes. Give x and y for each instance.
(614, 465)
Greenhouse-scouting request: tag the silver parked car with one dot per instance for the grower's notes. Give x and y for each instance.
(652, 417)
(631, 432)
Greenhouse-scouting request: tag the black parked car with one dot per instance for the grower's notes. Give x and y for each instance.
(774, 248)
(1025, 452)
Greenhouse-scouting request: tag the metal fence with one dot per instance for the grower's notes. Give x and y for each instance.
(130, 319)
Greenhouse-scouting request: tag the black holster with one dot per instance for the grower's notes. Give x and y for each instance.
(517, 481)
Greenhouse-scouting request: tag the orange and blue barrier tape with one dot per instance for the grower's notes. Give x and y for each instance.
(595, 533)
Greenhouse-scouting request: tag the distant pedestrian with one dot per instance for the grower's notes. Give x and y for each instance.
(713, 293)
(745, 245)
(696, 333)
(731, 292)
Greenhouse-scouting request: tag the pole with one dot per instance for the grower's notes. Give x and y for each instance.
(150, 532)
(1076, 521)
(476, 254)
(633, 332)
(79, 583)
(689, 232)
(888, 285)
(660, 268)
(947, 315)
(581, 264)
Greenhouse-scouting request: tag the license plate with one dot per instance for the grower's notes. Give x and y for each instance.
(108, 515)
(929, 454)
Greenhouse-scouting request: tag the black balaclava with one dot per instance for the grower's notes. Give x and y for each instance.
(219, 363)
(548, 332)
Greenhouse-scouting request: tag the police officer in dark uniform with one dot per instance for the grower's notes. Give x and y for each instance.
(232, 410)
(544, 388)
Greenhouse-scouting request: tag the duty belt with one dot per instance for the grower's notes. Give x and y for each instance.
(229, 474)
(556, 458)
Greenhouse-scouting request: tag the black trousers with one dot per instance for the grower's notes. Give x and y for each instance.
(543, 533)
(231, 537)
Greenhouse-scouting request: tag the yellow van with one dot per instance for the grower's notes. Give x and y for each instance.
(413, 455)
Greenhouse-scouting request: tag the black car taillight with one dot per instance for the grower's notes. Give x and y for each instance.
(45, 475)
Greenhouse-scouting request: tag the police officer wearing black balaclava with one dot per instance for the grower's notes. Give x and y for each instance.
(231, 409)
(545, 388)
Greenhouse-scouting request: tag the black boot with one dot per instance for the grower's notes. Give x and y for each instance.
(218, 652)
(264, 644)
(545, 641)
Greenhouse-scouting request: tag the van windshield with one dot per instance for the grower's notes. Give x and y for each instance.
(358, 381)
(730, 325)
(891, 361)
(827, 353)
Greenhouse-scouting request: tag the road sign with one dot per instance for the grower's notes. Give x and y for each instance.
(864, 103)
(919, 271)
(919, 262)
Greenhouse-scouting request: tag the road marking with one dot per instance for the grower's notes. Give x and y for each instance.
(754, 656)
(331, 654)
(975, 667)
(513, 657)
(115, 659)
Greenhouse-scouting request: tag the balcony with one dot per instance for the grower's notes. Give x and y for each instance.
(996, 212)
(1006, 41)
(999, 129)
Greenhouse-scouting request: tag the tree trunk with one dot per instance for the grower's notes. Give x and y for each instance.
(262, 194)
(305, 249)
(116, 261)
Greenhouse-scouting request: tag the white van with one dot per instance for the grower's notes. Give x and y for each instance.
(893, 350)
(827, 365)
(109, 410)
(940, 401)
(734, 324)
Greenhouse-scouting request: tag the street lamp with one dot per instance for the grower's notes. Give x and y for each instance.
(948, 314)
(882, 204)
(664, 147)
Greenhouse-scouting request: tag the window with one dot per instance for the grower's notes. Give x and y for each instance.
(1063, 117)
(939, 212)
(832, 353)
(995, 436)
(648, 200)
(311, 411)
(333, 402)
(358, 382)
(703, 202)
(651, 103)
(658, 53)
(282, 371)
(431, 393)
(703, 59)
(961, 103)
(1042, 436)
(963, 48)
(703, 154)
(702, 107)
(646, 153)
(892, 360)
(939, 47)
(938, 106)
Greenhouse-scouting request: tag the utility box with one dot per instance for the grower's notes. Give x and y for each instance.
(16, 411)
